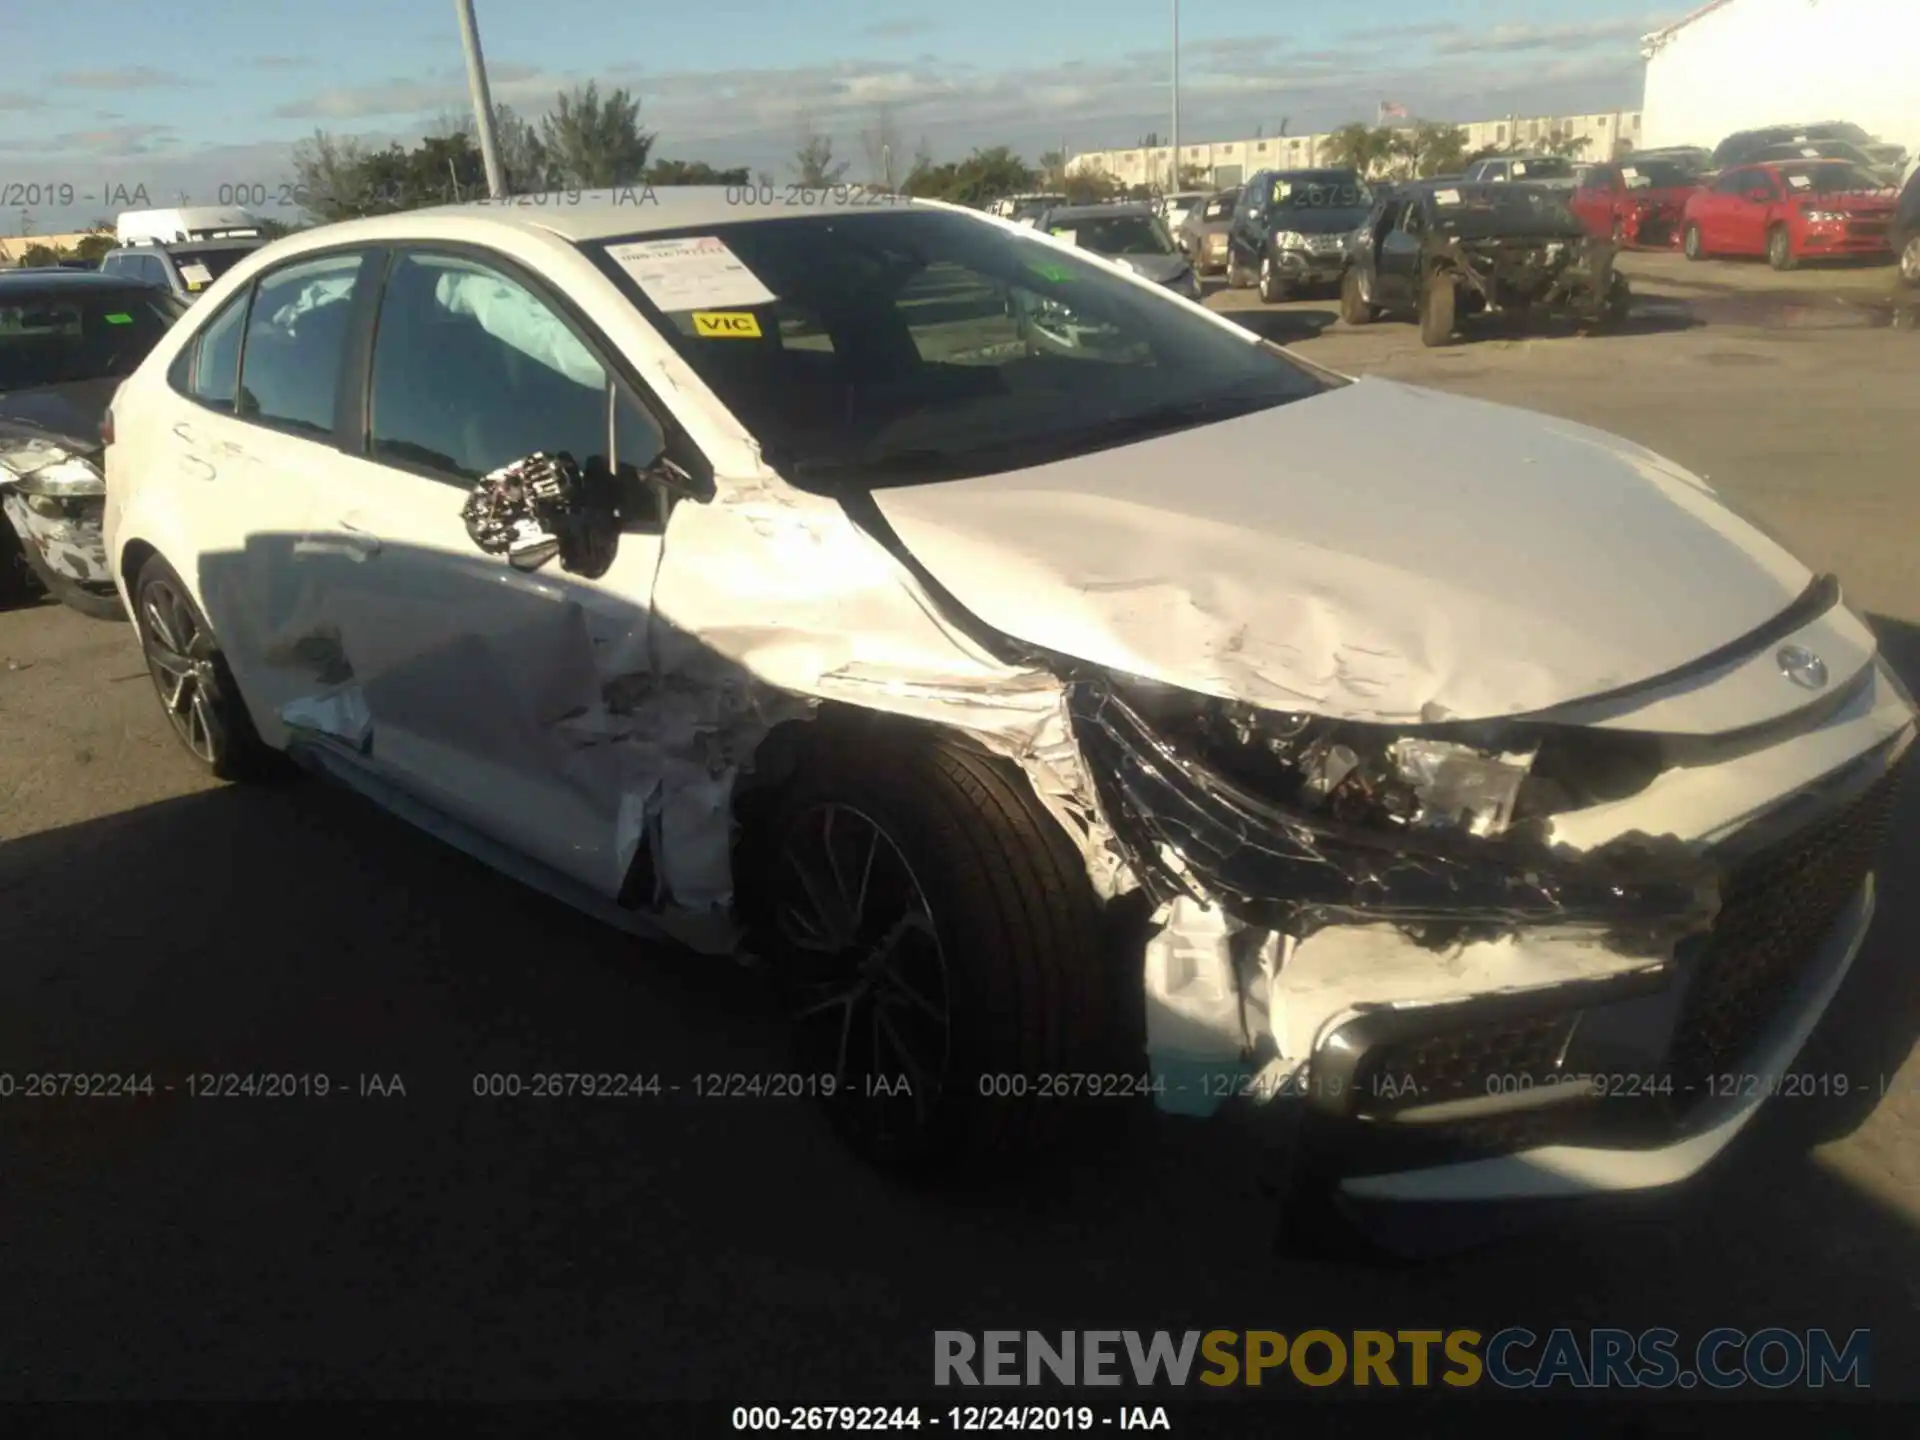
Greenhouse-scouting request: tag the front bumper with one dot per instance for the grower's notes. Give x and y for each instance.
(1600, 1032)
(1311, 267)
(64, 532)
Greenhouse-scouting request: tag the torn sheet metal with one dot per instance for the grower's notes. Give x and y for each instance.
(63, 533)
(1318, 872)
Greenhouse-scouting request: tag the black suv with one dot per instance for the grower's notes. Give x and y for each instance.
(1744, 146)
(1291, 227)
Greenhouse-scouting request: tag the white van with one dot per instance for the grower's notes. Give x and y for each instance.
(172, 227)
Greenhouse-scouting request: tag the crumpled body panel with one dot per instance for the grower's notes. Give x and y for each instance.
(63, 533)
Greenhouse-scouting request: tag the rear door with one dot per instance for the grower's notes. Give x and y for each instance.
(243, 457)
(486, 686)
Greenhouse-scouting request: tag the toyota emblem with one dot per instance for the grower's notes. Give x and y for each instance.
(1802, 666)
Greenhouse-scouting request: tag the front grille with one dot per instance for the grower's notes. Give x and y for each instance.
(1776, 908)
(1866, 227)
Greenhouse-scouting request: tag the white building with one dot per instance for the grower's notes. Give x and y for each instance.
(1740, 64)
(1228, 162)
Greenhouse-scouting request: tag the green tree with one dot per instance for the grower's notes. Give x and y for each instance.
(693, 172)
(1091, 187)
(813, 162)
(40, 255)
(1360, 147)
(1430, 148)
(1053, 167)
(594, 141)
(95, 243)
(330, 176)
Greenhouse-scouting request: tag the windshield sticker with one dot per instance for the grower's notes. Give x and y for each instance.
(695, 274)
(1810, 152)
(1047, 270)
(119, 319)
(1446, 197)
(197, 276)
(1629, 172)
(726, 325)
(1519, 167)
(1072, 237)
(1800, 182)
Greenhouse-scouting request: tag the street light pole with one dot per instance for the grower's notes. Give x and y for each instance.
(482, 99)
(1173, 169)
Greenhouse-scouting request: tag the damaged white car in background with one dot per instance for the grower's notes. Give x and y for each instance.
(1145, 721)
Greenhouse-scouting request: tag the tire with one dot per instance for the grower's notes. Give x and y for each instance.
(205, 711)
(1619, 233)
(1691, 243)
(1910, 261)
(1618, 304)
(1007, 948)
(1236, 277)
(1438, 302)
(1354, 306)
(1780, 249)
(1272, 290)
(94, 604)
(19, 585)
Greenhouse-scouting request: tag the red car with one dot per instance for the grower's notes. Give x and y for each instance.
(1638, 203)
(1790, 211)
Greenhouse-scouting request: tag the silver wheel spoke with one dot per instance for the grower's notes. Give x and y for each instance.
(162, 629)
(921, 1086)
(897, 983)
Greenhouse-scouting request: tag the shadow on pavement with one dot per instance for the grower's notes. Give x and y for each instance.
(444, 1243)
(1283, 327)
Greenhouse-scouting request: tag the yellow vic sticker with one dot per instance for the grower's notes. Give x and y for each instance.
(726, 325)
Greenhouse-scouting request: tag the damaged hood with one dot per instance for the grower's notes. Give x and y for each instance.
(70, 413)
(1157, 268)
(1378, 552)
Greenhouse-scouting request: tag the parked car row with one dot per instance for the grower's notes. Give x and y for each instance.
(744, 581)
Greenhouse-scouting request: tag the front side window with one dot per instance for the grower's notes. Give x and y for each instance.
(296, 339)
(56, 339)
(949, 346)
(1121, 235)
(472, 371)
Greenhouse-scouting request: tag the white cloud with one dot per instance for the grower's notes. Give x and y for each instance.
(132, 77)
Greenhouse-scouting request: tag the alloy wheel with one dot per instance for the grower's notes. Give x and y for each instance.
(864, 973)
(1910, 261)
(180, 658)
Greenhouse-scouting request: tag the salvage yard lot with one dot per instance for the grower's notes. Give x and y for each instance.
(439, 1243)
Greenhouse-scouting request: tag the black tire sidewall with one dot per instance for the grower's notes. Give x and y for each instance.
(1691, 243)
(71, 593)
(1434, 310)
(240, 753)
(897, 781)
(1780, 248)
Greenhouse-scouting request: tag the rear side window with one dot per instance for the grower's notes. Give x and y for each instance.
(296, 337)
(208, 369)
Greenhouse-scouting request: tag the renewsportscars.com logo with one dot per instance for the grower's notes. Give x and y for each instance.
(1514, 1358)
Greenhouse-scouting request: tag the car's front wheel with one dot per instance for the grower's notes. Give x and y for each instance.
(1356, 298)
(1438, 302)
(1692, 245)
(937, 946)
(193, 680)
(1272, 289)
(1910, 261)
(1780, 249)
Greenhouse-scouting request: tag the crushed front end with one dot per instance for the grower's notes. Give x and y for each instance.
(1532, 275)
(1382, 931)
(53, 493)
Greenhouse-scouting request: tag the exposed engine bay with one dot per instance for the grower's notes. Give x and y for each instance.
(1530, 273)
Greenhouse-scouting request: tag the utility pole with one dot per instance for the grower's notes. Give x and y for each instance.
(1173, 180)
(482, 99)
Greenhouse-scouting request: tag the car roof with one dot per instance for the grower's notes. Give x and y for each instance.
(612, 214)
(54, 277)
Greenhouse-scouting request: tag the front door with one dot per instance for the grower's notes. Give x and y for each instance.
(1400, 255)
(1247, 235)
(488, 686)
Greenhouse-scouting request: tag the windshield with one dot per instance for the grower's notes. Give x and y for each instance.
(1220, 207)
(55, 339)
(1119, 235)
(887, 348)
(1828, 177)
(1031, 209)
(1479, 212)
(1322, 190)
(1656, 175)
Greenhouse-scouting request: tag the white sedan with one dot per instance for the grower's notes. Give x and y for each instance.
(1164, 718)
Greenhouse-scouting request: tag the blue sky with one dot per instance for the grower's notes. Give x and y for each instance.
(102, 93)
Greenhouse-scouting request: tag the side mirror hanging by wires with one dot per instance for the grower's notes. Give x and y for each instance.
(542, 506)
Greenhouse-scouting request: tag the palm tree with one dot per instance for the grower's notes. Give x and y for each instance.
(595, 142)
(1360, 147)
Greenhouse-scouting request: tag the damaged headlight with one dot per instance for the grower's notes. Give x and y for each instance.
(1290, 240)
(1475, 780)
(42, 467)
